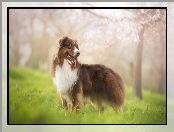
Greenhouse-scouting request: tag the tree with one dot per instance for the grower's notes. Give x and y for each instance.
(162, 70)
(14, 37)
(144, 19)
(138, 66)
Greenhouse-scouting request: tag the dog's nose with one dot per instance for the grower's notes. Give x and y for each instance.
(78, 53)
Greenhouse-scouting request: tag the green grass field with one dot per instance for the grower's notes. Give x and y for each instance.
(33, 99)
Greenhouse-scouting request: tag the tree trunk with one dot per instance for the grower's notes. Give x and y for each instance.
(138, 67)
(162, 79)
(15, 58)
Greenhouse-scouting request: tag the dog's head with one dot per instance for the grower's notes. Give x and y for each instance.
(68, 49)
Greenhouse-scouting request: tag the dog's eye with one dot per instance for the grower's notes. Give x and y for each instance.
(68, 46)
(77, 46)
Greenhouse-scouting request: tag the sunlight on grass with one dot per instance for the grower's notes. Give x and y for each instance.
(33, 99)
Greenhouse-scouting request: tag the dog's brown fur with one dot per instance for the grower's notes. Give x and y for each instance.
(96, 82)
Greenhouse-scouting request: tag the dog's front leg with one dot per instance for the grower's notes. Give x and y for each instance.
(78, 102)
(77, 97)
(66, 102)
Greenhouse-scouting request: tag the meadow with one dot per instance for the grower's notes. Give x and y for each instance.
(33, 99)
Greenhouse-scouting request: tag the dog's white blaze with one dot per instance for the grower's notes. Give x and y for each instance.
(65, 77)
(76, 50)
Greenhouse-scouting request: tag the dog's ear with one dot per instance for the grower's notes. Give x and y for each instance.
(55, 59)
(62, 41)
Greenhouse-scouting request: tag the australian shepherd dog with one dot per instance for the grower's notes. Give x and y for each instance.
(74, 80)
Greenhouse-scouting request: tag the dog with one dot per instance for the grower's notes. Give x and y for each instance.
(74, 81)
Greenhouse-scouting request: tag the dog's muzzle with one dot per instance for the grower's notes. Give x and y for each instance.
(76, 52)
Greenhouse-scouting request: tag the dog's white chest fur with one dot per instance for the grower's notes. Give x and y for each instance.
(65, 77)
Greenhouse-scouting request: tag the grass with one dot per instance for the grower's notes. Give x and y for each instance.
(33, 100)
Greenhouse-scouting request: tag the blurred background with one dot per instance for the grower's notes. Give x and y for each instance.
(130, 41)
